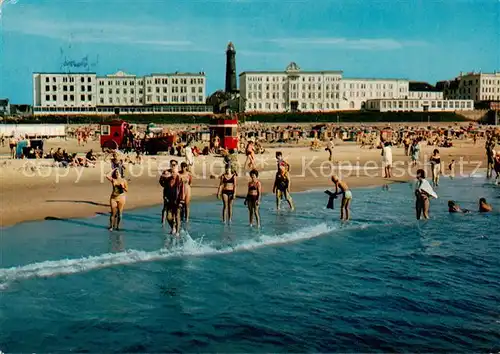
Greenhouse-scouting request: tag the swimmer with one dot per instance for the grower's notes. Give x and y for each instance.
(346, 197)
(117, 199)
(282, 187)
(484, 207)
(187, 179)
(226, 191)
(252, 200)
(455, 208)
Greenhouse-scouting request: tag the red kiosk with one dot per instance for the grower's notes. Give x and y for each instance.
(112, 134)
(227, 131)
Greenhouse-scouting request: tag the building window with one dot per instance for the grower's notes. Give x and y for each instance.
(83, 88)
(125, 91)
(101, 91)
(54, 98)
(101, 100)
(65, 98)
(110, 91)
(89, 88)
(82, 97)
(89, 97)
(118, 91)
(47, 88)
(47, 97)
(47, 79)
(82, 79)
(54, 88)
(110, 100)
(165, 98)
(72, 98)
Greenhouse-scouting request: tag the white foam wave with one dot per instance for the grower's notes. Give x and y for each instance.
(189, 248)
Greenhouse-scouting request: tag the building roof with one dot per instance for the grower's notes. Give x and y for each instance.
(201, 73)
(422, 87)
(63, 73)
(373, 79)
(285, 72)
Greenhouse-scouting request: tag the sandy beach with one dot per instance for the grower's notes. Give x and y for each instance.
(35, 190)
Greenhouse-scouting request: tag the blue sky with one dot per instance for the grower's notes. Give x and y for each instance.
(418, 40)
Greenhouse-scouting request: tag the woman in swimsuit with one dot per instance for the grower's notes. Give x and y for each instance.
(187, 179)
(227, 188)
(117, 199)
(436, 167)
(346, 197)
(250, 155)
(252, 200)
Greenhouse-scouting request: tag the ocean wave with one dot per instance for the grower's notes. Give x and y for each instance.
(189, 247)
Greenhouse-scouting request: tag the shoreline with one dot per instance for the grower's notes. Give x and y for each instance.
(72, 193)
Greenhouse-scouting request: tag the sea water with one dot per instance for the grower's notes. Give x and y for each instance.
(304, 282)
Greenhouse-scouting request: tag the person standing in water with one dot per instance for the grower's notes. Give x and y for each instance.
(387, 159)
(252, 201)
(226, 192)
(451, 169)
(187, 179)
(342, 188)
(117, 199)
(423, 191)
(435, 161)
(173, 199)
(281, 187)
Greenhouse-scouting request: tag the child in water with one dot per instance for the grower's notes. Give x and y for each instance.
(451, 168)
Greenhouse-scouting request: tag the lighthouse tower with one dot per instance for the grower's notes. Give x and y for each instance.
(231, 86)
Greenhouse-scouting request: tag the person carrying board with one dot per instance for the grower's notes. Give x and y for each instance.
(423, 192)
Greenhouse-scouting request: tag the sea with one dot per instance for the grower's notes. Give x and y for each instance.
(304, 282)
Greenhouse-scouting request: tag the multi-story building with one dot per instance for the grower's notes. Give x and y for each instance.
(64, 92)
(87, 93)
(478, 87)
(291, 90)
(355, 92)
(308, 91)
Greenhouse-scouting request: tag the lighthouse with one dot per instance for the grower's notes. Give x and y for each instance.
(231, 86)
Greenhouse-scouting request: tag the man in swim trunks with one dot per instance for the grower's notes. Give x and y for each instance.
(346, 197)
(173, 198)
(282, 186)
(484, 207)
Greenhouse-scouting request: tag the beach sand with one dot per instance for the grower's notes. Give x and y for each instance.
(34, 190)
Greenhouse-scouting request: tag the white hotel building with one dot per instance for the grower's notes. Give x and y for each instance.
(87, 93)
(476, 86)
(294, 90)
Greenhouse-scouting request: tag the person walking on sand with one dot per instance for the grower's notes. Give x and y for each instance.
(342, 188)
(173, 199)
(423, 192)
(281, 187)
(329, 148)
(12, 146)
(117, 199)
(252, 201)
(435, 161)
(387, 159)
(250, 152)
(414, 152)
(187, 179)
(226, 192)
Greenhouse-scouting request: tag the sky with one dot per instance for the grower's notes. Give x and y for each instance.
(422, 40)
